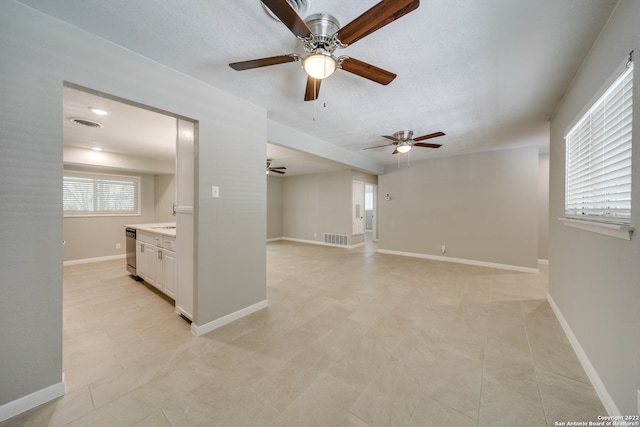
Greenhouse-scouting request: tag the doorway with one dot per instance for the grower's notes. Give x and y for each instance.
(371, 227)
(157, 148)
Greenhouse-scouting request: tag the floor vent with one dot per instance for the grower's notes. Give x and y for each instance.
(336, 239)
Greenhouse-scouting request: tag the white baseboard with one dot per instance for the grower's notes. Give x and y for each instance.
(32, 400)
(462, 261)
(215, 324)
(90, 260)
(597, 383)
(315, 242)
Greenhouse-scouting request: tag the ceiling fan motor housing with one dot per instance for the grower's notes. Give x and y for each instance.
(404, 135)
(323, 26)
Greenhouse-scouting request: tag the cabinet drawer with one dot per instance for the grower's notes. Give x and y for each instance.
(169, 243)
(154, 239)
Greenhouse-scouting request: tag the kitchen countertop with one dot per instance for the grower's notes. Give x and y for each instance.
(162, 228)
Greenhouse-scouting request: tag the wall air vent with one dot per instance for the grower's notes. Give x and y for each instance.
(336, 239)
(85, 122)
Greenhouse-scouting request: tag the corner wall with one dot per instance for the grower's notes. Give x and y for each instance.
(274, 208)
(39, 54)
(316, 204)
(320, 203)
(594, 279)
(483, 207)
(543, 208)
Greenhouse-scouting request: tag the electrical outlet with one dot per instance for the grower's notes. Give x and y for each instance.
(118, 246)
(443, 248)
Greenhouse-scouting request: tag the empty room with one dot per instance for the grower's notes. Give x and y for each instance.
(441, 233)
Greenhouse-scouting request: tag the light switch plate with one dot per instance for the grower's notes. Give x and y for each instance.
(215, 191)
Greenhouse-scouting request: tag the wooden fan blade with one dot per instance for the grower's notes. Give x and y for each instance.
(278, 167)
(393, 138)
(367, 71)
(313, 89)
(264, 62)
(425, 144)
(431, 135)
(377, 146)
(273, 170)
(375, 18)
(395, 151)
(289, 17)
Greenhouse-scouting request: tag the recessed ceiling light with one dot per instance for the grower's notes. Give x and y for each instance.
(85, 122)
(98, 111)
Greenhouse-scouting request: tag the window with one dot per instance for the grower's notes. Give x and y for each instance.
(89, 194)
(598, 148)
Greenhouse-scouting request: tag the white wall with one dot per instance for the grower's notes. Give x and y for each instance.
(164, 192)
(38, 55)
(274, 207)
(595, 279)
(543, 207)
(483, 207)
(315, 204)
(103, 159)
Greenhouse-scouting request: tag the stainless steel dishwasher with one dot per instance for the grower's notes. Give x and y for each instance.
(131, 250)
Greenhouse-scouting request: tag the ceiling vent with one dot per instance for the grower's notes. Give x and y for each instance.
(300, 6)
(86, 123)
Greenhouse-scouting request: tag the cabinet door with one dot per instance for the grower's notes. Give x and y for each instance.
(141, 265)
(152, 265)
(169, 273)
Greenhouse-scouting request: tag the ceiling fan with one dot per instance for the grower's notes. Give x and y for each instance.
(403, 141)
(322, 35)
(277, 169)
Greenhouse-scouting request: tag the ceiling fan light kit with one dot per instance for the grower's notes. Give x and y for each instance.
(321, 35)
(404, 147)
(320, 65)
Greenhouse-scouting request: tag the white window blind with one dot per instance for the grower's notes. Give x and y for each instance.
(88, 194)
(598, 149)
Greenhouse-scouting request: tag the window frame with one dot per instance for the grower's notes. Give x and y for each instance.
(602, 223)
(95, 177)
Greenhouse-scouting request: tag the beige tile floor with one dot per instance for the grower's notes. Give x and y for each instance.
(350, 338)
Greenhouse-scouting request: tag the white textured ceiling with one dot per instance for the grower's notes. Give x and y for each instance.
(483, 72)
(126, 129)
(134, 130)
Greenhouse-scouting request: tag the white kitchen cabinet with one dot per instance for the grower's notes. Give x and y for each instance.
(169, 273)
(149, 263)
(153, 265)
(184, 268)
(141, 265)
(156, 261)
(185, 221)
